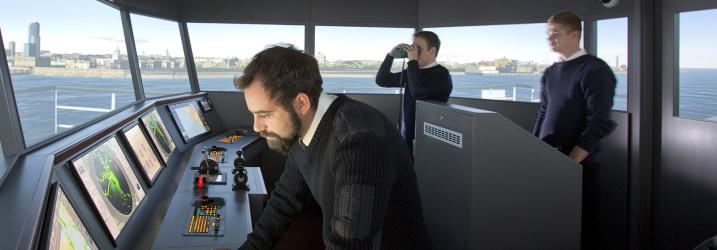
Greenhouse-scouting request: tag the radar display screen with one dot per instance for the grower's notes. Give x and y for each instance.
(113, 187)
(159, 134)
(189, 119)
(66, 229)
(143, 151)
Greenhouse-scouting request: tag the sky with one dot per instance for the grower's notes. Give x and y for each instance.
(612, 41)
(90, 27)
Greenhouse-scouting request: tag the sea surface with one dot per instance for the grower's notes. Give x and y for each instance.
(53, 104)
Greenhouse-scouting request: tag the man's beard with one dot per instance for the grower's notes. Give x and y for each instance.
(283, 144)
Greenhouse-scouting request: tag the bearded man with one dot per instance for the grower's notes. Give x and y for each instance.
(344, 153)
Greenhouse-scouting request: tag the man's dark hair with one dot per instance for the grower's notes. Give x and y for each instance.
(284, 74)
(569, 20)
(431, 39)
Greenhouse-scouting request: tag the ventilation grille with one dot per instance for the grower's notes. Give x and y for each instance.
(443, 134)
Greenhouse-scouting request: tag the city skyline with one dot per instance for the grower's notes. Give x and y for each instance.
(33, 40)
(64, 33)
(34, 27)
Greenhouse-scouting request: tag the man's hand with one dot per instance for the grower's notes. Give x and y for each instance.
(578, 154)
(412, 51)
(394, 48)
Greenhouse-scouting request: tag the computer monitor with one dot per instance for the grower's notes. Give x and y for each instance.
(159, 134)
(143, 152)
(65, 229)
(109, 181)
(189, 120)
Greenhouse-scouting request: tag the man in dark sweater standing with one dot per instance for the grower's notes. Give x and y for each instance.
(576, 98)
(344, 153)
(424, 79)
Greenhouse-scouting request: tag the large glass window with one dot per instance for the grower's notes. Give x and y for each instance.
(161, 57)
(697, 65)
(349, 57)
(612, 48)
(68, 63)
(502, 62)
(221, 51)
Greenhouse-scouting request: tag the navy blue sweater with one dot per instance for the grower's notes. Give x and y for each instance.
(575, 103)
(432, 83)
(360, 173)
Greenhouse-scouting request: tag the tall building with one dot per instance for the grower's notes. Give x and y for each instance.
(12, 49)
(32, 47)
(10, 54)
(117, 54)
(321, 58)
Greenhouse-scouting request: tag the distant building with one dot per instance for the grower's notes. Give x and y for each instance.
(116, 55)
(488, 70)
(481, 69)
(42, 61)
(78, 64)
(10, 58)
(32, 47)
(321, 58)
(234, 62)
(24, 62)
(525, 68)
(11, 53)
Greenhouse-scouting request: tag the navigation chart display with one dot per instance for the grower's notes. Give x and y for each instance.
(189, 119)
(111, 184)
(159, 134)
(143, 151)
(66, 229)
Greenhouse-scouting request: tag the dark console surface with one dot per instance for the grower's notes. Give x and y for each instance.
(126, 182)
(234, 212)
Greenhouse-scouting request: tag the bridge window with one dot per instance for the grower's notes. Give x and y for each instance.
(221, 51)
(65, 70)
(697, 65)
(612, 48)
(161, 57)
(349, 57)
(488, 62)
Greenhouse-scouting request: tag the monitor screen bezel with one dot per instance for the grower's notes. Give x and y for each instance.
(124, 140)
(177, 124)
(209, 103)
(86, 193)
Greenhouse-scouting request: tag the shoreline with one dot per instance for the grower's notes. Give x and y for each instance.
(182, 74)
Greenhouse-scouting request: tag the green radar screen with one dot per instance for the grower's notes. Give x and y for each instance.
(66, 228)
(112, 182)
(113, 187)
(159, 134)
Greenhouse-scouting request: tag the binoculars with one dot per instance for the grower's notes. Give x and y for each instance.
(399, 53)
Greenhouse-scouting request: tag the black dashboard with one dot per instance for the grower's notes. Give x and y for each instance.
(161, 174)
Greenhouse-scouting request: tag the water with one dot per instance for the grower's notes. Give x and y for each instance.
(35, 95)
(527, 87)
(698, 94)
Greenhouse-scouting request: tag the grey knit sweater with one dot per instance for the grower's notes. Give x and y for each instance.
(360, 173)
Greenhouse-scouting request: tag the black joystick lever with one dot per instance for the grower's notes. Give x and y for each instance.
(240, 174)
(239, 161)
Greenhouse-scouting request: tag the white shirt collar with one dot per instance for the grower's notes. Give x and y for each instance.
(577, 54)
(325, 101)
(434, 63)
